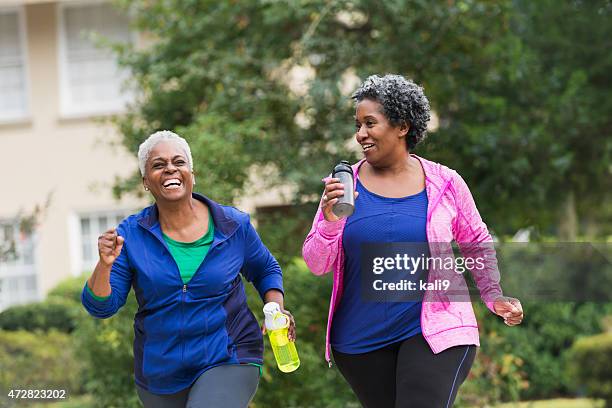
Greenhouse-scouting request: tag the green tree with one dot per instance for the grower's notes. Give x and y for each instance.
(535, 132)
(519, 87)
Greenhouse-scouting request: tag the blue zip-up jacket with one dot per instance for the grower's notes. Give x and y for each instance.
(183, 330)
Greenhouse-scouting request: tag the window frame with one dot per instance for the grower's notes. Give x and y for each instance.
(22, 33)
(18, 272)
(70, 109)
(81, 265)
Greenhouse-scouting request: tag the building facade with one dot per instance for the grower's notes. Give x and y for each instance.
(57, 90)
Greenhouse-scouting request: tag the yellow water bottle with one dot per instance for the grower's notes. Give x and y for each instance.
(277, 326)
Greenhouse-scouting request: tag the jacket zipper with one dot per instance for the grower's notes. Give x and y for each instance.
(183, 323)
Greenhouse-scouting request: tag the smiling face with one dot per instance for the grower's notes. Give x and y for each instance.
(167, 172)
(382, 143)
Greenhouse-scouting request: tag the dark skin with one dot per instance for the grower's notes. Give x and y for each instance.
(183, 218)
(390, 171)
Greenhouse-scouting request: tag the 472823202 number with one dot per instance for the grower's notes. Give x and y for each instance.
(37, 394)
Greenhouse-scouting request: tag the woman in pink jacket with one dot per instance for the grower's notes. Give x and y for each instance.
(396, 350)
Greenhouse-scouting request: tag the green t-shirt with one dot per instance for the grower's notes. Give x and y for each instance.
(189, 255)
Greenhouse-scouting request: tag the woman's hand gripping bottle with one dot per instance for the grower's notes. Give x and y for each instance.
(277, 325)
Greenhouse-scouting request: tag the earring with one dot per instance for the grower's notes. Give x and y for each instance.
(146, 188)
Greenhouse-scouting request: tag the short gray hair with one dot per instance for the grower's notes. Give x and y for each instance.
(144, 150)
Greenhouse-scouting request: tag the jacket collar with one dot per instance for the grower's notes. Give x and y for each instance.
(224, 223)
(437, 179)
(434, 174)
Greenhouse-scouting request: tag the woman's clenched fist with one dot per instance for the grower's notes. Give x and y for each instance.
(109, 246)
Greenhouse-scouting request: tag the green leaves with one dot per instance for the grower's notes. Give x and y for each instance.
(523, 104)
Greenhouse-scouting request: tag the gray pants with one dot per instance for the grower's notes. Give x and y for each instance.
(227, 386)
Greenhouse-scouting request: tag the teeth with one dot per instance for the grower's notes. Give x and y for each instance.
(367, 146)
(171, 182)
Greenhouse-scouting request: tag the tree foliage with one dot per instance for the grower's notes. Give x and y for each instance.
(519, 88)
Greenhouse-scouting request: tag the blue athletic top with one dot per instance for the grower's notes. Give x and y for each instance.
(360, 325)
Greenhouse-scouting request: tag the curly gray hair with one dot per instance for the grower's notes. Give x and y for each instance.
(145, 148)
(402, 101)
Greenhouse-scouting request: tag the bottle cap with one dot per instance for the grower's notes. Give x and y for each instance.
(343, 166)
(274, 318)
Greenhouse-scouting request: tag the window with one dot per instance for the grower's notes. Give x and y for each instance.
(13, 89)
(91, 80)
(91, 226)
(17, 245)
(18, 278)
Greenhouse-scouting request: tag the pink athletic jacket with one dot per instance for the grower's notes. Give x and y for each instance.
(451, 215)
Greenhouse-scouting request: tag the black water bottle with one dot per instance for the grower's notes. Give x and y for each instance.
(346, 203)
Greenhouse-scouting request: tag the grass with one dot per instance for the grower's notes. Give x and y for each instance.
(71, 402)
(85, 401)
(555, 403)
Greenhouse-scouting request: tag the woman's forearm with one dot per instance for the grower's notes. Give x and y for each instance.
(274, 295)
(99, 281)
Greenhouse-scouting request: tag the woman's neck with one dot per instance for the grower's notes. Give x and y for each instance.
(178, 215)
(399, 165)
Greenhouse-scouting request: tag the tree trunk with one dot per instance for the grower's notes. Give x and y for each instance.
(568, 224)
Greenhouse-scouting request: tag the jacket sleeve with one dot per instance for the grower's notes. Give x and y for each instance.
(475, 241)
(120, 281)
(260, 267)
(322, 243)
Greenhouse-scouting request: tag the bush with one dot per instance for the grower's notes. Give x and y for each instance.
(37, 361)
(69, 289)
(279, 226)
(55, 313)
(498, 373)
(60, 311)
(513, 362)
(544, 343)
(105, 346)
(314, 384)
(529, 361)
(590, 365)
(106, 349)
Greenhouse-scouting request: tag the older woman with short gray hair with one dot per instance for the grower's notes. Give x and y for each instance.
(196, 342)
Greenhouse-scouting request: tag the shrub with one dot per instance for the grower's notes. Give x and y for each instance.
(513, 362)
(498, 373)
(106, 349)
(69, 289)
(314, 384)
(590, 364)
(37, 361)
(528, 361)
(55, 313)
(105, 346)
(283, 229)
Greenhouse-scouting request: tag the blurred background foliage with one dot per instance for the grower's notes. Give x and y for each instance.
(551, 355)
(520, 92)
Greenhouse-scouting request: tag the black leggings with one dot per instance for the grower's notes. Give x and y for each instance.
(407, 374)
